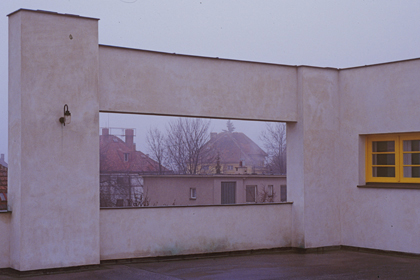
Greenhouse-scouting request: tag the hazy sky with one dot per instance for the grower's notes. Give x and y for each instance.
(334, 33)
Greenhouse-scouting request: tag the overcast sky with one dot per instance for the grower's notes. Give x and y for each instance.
(340, 33)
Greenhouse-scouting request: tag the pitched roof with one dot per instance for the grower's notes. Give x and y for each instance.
(112, 157)
(235, 146)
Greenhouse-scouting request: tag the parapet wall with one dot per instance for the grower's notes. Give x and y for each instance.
(167, 231)
(4, 239)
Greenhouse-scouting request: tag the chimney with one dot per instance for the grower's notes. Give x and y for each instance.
(129, 137)
(105, 131)
(2, 157)
(213, 135)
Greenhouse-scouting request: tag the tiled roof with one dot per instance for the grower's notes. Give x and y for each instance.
(112, 157)
(235, 146)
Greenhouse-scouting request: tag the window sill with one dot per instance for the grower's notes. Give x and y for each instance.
(390, 186)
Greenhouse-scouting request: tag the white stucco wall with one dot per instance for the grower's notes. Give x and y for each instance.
(145, 232)
(157, 83)
(53, 169)
(4, 240)
(312, 159)
(377, 99)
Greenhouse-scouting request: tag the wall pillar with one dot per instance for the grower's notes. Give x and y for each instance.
(313, 150)
(53, 169)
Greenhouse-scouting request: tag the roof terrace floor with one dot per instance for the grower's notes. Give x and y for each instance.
(337, 264)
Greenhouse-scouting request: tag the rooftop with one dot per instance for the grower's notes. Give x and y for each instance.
(284, 264)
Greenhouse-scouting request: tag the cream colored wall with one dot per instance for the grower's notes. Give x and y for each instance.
(4, 240)
(53, 170)
(175, 190)
(377, 99)
(133, 233)
(156, 83)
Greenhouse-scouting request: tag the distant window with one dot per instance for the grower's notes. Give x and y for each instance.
(205, 167)
(270, 191)
(251, 193)
(283, 193)
(228, 192)
(193, 193)
(230, 167)
(126, 157)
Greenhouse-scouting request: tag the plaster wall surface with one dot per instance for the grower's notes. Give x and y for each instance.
(377, 99)
(320, 110)
(145, 232)
(175, 190)
(311, 148)
(157, 83)
(54, 178)
(15, 129)
(4, 240)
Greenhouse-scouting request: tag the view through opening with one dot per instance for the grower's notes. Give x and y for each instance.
(163, 161)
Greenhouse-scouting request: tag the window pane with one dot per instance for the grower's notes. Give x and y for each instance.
(411, 159)
(250, 193)
(383, 146)
(411, 145)
(411, 171)
(283, 193)
(383, 171)
(383, 159)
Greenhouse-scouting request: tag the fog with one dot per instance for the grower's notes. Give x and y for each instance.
(142, 123)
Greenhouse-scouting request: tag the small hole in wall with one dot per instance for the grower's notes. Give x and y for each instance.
(71, 37)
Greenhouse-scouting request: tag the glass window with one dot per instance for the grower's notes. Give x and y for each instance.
(393, 158)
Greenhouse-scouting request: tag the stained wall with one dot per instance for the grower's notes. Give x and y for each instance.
(53, 169)
(167, 231)
(377, 99)
(158, 83)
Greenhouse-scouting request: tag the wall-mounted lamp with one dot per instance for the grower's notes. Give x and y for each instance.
(67, 116)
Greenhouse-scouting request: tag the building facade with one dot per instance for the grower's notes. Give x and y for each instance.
(341, 126)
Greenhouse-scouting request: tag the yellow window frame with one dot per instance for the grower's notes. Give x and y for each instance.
(404, 137)
(399, 157)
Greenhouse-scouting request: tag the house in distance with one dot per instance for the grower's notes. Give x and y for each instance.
(121, 168)
(234, 153)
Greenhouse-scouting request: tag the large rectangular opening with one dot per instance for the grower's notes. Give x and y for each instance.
(171, 161)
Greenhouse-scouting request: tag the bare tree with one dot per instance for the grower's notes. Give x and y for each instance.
(122, 189)
(185, 142)
(265, 194)
(156, 142)
(274, 139)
